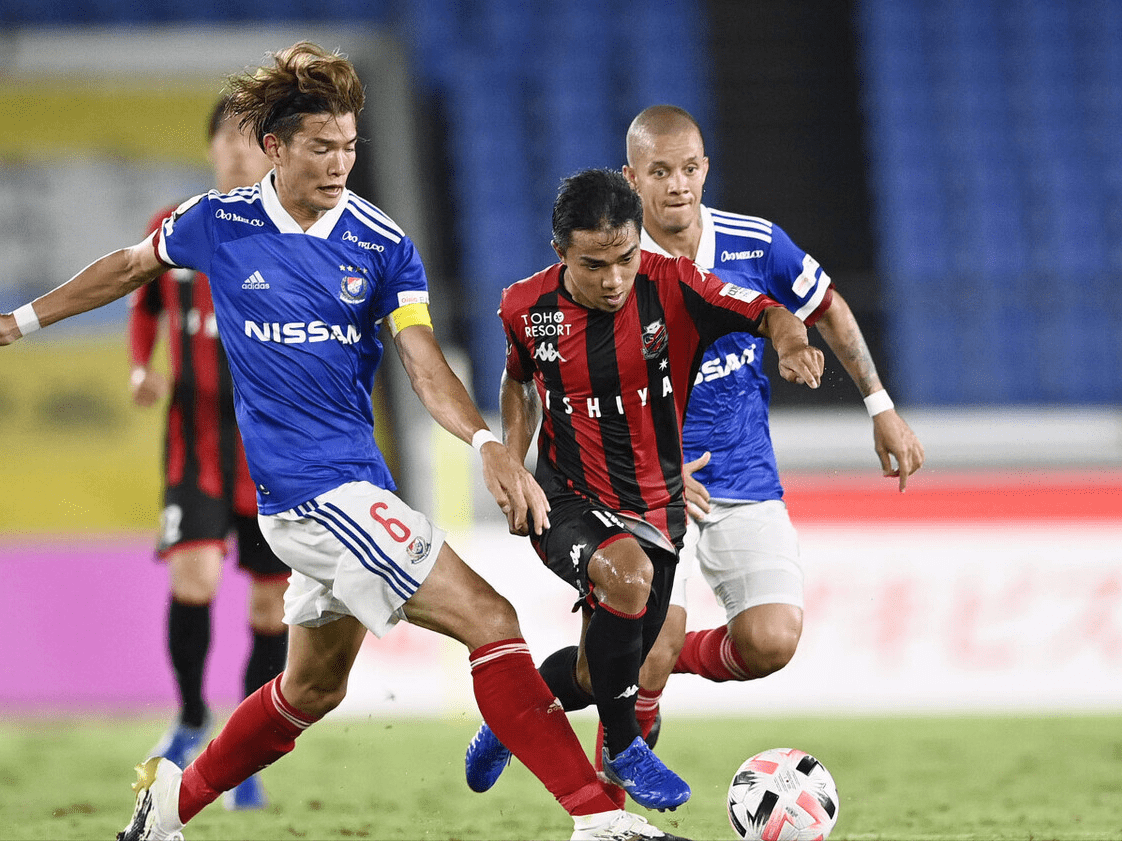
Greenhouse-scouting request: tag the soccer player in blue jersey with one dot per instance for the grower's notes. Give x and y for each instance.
(741, 536)
(302, 273)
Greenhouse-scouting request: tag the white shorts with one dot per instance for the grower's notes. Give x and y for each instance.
(357, 551)
(748, 553)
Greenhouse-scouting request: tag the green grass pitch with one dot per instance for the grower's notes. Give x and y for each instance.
(945, 778)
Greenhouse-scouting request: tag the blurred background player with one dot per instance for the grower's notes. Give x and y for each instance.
(740, 532)
(208, 492)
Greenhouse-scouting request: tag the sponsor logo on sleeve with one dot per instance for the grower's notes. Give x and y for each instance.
(741, 293)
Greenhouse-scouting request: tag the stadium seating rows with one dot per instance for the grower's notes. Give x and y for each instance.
(994, 162)
(998, 183)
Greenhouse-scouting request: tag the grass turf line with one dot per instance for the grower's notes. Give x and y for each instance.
(924, 779)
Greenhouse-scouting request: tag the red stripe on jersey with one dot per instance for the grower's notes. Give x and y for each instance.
(614, 386)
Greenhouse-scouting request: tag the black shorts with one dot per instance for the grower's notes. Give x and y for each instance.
(578, 527)
(191, 516)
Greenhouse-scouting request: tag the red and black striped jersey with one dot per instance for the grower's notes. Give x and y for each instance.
(202, 445)
(614, 385)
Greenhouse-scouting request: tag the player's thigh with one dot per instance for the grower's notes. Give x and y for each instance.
(456, 601)
(749, 556)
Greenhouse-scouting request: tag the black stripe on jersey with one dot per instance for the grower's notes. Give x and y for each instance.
(615, 432)
(565, 452)
(713, 321)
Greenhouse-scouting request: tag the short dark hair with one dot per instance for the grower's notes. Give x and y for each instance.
(594, 200)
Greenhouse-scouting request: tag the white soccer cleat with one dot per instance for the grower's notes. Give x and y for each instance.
(618, 826)
(156, 816)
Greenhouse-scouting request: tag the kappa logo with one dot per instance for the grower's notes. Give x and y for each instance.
(574, 553)
(255, 281)
(654, 339)
(548, 353)
(633, 689)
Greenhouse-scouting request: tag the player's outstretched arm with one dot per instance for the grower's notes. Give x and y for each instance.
(892, 437)
(447, 400)
(799, 361)
(101, 282)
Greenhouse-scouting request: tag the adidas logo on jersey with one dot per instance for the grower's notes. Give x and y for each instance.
(255, 281)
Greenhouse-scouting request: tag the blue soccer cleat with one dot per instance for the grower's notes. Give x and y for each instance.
(485, 760)
(181, 743)
(642, 775)
(246, 795)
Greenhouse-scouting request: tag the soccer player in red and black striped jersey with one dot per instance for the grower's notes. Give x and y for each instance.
(603, 347)
(208, 492)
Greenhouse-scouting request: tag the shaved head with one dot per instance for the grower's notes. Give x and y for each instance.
(655, 121)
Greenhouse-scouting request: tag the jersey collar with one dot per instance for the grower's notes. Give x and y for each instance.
(706, 248)
(280, 217)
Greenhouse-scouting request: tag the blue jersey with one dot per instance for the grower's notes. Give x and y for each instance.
(298, 314)
(727, 413)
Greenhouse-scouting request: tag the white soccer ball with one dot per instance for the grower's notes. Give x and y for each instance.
(783, 794)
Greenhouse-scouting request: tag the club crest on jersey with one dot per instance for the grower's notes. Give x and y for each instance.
(654, 339)
(353, 289)
(417, 550)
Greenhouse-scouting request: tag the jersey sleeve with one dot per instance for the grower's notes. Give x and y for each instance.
(404, 282)
(719, 307)
(186, 237)
(795, 279)
(519, 363)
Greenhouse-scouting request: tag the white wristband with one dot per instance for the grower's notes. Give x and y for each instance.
(878, 402)
(481, 437)
(26, 319)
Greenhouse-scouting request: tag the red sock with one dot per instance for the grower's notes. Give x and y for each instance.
(524, 715)
(261, 730)
(646, 711)
(712, 655)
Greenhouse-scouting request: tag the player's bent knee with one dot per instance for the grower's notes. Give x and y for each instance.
(767, 650)
(496, 618)
(622, 579)
(314, 698)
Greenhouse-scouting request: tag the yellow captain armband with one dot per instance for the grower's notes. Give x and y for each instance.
(407, 316)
